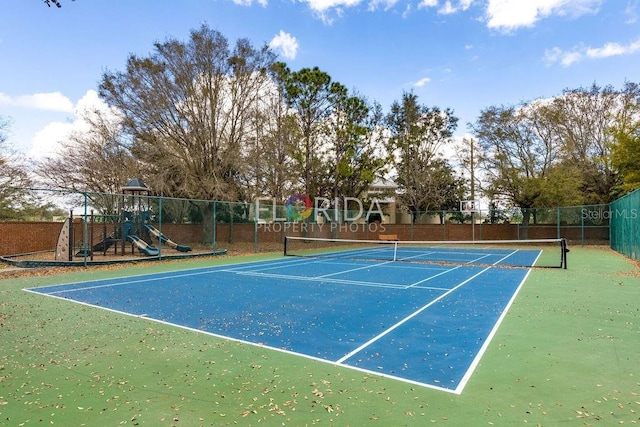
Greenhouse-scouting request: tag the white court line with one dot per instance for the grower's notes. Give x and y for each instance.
(268, 264)
(321, 279)
(476, 360)
(128, 282)
(415, 313)
(470, 263)
(259, 345)
(379, 264)
(214, 269)
(157, 276)
(415, 284)
(161, 275)
(448, 255)
(406, 319)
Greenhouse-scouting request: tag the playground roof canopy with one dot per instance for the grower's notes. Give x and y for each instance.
(135, 184)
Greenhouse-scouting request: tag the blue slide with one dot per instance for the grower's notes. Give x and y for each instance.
(143, 246)
(164, 239)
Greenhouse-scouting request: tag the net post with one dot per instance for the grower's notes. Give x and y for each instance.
(285, 245)
(565, 250)
(395, 250)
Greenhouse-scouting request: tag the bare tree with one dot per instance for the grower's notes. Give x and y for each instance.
(188, 109)
(96, 161)
(521, 157)
(15, 198)
(584, 119)
(270, 171)
(625, 155)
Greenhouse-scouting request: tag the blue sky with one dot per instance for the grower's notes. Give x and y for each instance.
(465, 55)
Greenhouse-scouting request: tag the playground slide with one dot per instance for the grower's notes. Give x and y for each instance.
(143, 246)
(164, 239)
(101, 246)
(104, 245)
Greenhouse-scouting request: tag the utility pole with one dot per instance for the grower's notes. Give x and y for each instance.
(473, 189)
(471, 166)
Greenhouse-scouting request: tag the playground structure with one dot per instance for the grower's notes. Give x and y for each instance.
(132, 225)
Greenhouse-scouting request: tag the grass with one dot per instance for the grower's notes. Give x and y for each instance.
(568, 353)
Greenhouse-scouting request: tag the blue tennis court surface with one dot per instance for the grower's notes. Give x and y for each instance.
(424, 324)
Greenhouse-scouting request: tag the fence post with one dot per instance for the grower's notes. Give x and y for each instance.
(215, 239)
(558, 222)
(255, 233)
(71, 236)
(159, 225)
(411, 227)
(582, 237)
(444, 225)
(85, 241)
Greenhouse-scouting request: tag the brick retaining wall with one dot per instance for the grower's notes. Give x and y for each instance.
(25, 237)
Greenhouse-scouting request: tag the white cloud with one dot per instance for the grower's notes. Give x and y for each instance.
(509, 15)
(46, 141)
(52, 101)
(632, 12)
(286, 44)
(447, 7)
(427, 3)
(262, 3)
(577, 54)
(325, 5)
(422, 82)
(386, 4)
(565, 58)
(5, 99)
(326, 10)
(450, 7)
(613, 49)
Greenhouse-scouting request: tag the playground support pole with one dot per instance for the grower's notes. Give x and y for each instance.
(85, 240)
(70, 255)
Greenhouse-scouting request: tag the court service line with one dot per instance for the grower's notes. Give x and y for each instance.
(426, 254)
(355, 269)
(406, 319)
(512, 253)
(432, 277)
(445, 272)
(266, 265)
(415, 313)
(320, 279)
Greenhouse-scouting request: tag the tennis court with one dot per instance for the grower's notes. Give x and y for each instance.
(426, 323)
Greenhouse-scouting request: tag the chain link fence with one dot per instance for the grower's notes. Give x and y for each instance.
(135, 224)
(625, 225)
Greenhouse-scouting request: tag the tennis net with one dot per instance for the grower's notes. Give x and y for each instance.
(549, 253)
